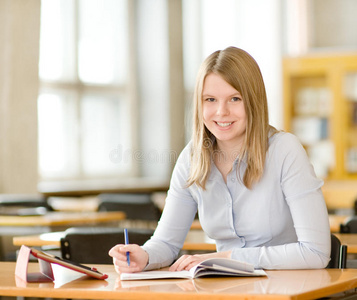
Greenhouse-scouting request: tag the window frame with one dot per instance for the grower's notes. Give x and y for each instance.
(80, 88)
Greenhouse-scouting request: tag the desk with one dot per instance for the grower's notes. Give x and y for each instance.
(11, 226)
(336, 220)
(349, 239)
(340, 194)
(195, 240)
(88, 187)
(291, 284)
(62, 219)
(196, 225)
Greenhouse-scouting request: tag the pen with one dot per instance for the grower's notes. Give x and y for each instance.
(126, 239)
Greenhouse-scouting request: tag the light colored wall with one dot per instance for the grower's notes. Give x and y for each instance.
(19, 52)
(333, 23)
(160, 83)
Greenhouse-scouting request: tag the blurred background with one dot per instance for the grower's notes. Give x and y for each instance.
(102, 89)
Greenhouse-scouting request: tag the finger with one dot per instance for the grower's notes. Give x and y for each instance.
(181, 263)
(188, 263)
(119, 251)
(174, 266)
(129, 248)
(115, 251)
(191, 265)
(122, 267)
(128, 269)
(123, 262)
(119, 258)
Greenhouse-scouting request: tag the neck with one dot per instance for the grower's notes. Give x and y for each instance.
(226, 153)
(229, 148)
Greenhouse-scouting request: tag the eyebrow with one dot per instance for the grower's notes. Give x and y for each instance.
(212, 96)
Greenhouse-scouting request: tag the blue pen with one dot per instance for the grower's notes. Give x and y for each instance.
(126, 239)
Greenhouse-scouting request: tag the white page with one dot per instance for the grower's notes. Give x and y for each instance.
(155, 275)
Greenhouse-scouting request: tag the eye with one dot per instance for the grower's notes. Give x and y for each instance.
(236, 99)
(210, 99)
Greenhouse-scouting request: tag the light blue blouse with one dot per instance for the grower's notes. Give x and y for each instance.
(281, 223)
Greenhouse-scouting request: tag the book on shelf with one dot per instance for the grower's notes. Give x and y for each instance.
(209, 267)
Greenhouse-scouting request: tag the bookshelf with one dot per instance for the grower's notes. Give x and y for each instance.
(320, 107)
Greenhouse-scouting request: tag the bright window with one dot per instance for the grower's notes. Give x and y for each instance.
(84, 102)
(210, 25)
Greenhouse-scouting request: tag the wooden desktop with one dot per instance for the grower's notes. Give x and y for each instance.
(94, 187)
(290, 284)
(196, 240)
(63, 219)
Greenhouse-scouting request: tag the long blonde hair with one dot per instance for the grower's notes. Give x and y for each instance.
(242, 72)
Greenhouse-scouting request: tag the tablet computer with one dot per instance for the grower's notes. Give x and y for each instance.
(93, 272)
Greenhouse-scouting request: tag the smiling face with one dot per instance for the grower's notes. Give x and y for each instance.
(223, 112)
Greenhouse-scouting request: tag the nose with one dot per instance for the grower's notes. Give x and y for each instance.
(222, 109)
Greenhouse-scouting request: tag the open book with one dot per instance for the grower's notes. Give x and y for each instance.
(209, 267)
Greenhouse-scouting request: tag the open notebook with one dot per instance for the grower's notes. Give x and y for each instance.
(209, 267)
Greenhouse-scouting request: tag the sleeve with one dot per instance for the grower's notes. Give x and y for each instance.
(176, 219)
(302, 192)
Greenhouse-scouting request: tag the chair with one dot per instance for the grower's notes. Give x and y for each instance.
(338, 254)
(19, 205)
(135, 206)
(23, 204)
(355, 207)
(350, 225)
(90, 245)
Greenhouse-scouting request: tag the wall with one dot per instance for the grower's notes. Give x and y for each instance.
(19, 52)
(333, 23)
(160, 85)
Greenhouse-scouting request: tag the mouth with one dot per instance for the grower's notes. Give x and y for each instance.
(222, 124)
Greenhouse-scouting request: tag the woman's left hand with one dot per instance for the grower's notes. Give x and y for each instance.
(186, 262)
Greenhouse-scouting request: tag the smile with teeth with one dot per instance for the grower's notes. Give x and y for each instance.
(223, 124)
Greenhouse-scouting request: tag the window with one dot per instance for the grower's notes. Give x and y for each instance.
(84, 101)
(210, 25)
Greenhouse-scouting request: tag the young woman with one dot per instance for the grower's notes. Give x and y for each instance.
(254, 189)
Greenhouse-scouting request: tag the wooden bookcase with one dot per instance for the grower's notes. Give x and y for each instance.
(320, 107)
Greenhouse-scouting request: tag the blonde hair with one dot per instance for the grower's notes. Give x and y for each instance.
(241, 71)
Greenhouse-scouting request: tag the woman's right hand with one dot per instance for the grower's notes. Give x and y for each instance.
(138, 258)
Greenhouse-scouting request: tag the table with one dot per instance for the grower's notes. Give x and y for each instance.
(196, 224)
(349, 239)
(195, 240)
(336, 220)
(62, 219)
(11, 226)
(340, 194)
(87, 187)
(84, 217)
(290, 284)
